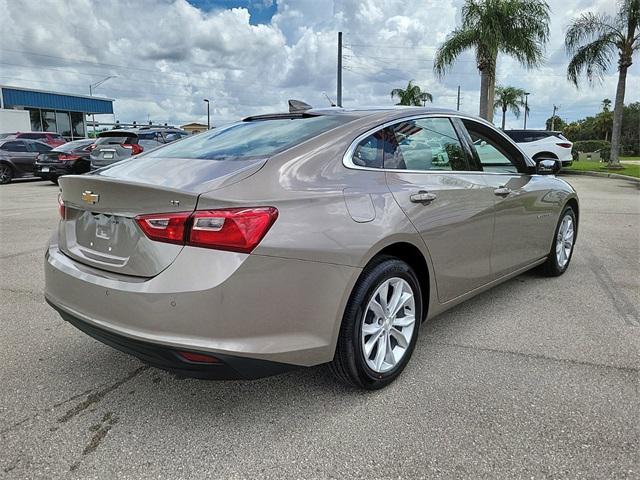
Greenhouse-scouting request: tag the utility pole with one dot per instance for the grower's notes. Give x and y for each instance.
(339, 88)
(208, 115)
(553, 118)
(91, 87)
(526, 108)
(458, 103)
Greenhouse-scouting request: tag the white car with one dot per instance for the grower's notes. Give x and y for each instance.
(543, 144)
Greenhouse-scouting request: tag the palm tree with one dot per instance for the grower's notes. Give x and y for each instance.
(519, 28)
(510, 98)
(592, 39)
(412, 95)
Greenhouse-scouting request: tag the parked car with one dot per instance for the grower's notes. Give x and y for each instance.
(292, 240)
(72, 157)
(18, 157)
(543, 144)
(50, 138)
(115, 145)
(6, 134)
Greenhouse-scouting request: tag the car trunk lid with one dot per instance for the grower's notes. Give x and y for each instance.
(99, 228)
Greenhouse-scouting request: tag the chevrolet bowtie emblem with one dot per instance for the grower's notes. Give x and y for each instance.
(90, 197)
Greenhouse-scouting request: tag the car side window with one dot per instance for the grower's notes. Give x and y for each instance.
(369, 152)
(428, 144)
(15, 147)
(40, 148)
(495, 155)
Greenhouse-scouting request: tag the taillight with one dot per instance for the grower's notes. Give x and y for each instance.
(61, 209)
(168, 228)
(63, 157)
(233, 229)
(134, 147)
(564, 145)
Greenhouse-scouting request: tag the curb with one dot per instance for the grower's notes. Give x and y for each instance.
(601, 175)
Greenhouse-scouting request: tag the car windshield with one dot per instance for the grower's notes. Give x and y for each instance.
(256, 138)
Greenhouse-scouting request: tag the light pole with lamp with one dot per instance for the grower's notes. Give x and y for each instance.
(526, 108)
(208, 114)
(92, 86)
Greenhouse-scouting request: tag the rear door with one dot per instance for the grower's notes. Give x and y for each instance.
(21, 155)
(523, 202)
(428, 171)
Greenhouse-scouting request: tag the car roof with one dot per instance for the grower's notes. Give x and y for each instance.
(358, 112)
(27, 140)
(549, 132)
(137, 130)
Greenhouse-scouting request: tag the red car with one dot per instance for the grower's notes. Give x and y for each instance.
(50, 138)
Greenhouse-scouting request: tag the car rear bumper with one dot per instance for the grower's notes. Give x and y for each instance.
(226, 368)
(53, 170)
(226, 304)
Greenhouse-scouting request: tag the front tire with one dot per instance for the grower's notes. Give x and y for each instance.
(380, 325)
(563, 242)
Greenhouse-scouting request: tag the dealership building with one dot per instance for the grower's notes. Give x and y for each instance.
(25, 109)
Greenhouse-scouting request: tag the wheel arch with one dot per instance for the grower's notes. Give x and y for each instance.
(415, 258)
(545, 154)
(573, 203)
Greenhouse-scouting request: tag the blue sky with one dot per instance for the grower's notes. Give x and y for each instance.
(261, 11)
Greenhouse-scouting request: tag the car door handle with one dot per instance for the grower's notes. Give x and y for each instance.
(422, 197)
(502, 191)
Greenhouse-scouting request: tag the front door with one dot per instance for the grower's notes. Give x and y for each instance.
(428, 173)
(523, 202)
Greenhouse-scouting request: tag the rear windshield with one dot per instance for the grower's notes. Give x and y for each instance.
(116, 140)
(256, 138)
(69, 146)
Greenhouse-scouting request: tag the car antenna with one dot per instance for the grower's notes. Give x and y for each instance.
(298, 106)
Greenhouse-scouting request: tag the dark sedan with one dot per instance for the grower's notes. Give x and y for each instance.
(17, 158)
(70, 158)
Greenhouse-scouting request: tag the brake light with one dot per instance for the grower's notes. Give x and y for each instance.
(63, 157)
(134, 147)
(564, 145)
(61, 208)
(168, 228)
(233, 229)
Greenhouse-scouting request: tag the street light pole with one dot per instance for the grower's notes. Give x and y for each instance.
(208, 115)
(526, 108)
(91, 87)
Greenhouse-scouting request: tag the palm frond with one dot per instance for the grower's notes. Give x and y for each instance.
(588, 28)
(593, 59)
(460, 40)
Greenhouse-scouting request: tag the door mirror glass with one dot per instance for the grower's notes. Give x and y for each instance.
(547, 166)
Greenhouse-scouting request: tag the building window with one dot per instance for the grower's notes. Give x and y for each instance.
(49, 121)
(77, 125)
(63, 124)
(36, 124)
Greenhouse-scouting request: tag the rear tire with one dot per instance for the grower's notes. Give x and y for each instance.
(6, 173)
(564, 240)
(379, 330)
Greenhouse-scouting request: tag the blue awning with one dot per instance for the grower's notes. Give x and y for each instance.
(13, 97)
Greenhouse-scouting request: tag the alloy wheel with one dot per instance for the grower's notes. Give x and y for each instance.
(388, 324)
(564, 241)
(5, 174)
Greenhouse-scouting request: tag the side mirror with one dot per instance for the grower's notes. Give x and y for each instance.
(547, 166)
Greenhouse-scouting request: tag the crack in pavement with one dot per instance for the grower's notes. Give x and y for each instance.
(536, 356)
(99, 395)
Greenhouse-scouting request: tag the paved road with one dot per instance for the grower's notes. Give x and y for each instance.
(537, 378)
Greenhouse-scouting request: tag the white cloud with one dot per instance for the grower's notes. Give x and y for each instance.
(169, 55)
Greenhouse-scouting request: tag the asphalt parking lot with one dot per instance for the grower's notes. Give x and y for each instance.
(537, 378)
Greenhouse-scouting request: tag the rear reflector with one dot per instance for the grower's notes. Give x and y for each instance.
(564, 145)
(198, 357)
(233, 229)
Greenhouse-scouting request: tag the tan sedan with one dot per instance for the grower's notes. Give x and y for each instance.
(297, 239)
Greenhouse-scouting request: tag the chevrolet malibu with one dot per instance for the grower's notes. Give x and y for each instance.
(291, 240)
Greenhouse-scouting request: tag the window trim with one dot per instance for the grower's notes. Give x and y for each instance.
(347, 158)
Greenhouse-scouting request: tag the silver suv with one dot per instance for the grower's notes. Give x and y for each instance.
(115, 145)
